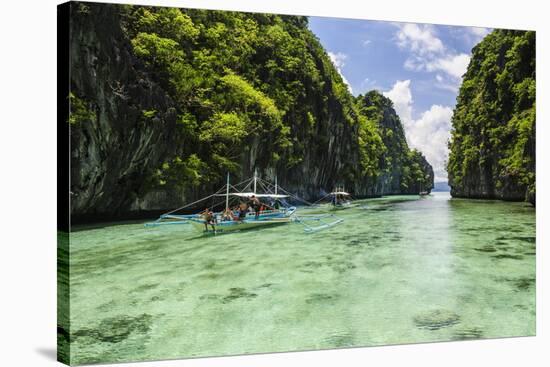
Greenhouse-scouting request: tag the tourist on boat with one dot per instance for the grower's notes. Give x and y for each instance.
(256, 205)
(227, 215)
(243, 209)
(236, 210)
(209, 218)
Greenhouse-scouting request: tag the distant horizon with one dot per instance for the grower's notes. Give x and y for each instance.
(441, 187)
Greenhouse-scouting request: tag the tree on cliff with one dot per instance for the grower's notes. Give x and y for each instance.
(492, 147)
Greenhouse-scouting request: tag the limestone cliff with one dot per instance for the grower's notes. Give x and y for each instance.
(164, 101)
(402, 170)
(112, 146)
(492, 149)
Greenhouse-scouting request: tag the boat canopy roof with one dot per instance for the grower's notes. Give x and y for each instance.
(339, 193)
(250, 194)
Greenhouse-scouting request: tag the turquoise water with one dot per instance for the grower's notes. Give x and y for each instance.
(397, 270)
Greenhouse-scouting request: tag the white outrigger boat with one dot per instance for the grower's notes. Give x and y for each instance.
(276, 212)
(340, 199)
(337, 199)
(423, 192)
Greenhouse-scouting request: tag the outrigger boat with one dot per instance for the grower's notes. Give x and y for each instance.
(274, 211)
(423, 192)
(340, 199)
(337, 199)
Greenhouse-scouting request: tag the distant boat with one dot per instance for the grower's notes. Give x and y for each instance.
(340, 199)
(423, 192)
(337, 199)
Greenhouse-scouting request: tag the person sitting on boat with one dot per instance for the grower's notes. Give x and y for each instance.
(209, 218)
(243, 209)
(235, 209)
(227, 215)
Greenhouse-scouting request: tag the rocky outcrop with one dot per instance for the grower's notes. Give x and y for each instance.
(398, 162)
(492, 149)
(428, 184)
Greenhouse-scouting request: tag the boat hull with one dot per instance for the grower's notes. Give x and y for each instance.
(268, 218)
(232, 226)
(342, 206)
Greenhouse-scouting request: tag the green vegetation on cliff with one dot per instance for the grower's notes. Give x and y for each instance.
(492, 149)
(249, 91)
(400, 170)
(243, 81)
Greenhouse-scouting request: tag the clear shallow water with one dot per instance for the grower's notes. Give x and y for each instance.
(398, 270)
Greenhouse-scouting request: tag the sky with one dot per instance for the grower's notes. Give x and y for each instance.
(418, 66)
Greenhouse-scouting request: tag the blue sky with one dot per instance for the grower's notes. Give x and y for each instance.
(418, 66)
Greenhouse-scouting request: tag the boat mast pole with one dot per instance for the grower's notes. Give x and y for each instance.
(275, 185)
(227, 193)
(255, 177)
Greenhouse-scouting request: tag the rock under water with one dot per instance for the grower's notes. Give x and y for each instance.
(436, 319)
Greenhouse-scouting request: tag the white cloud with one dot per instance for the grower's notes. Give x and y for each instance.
(479, 31)
(367, 85)
(414, 63)
(429, 133)
(366, 42)
(474, 35)
(469, 36)
(339, 60)
(451, 87)
(401, 96)
(453, 65)
(428, 53)
(419, 38)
